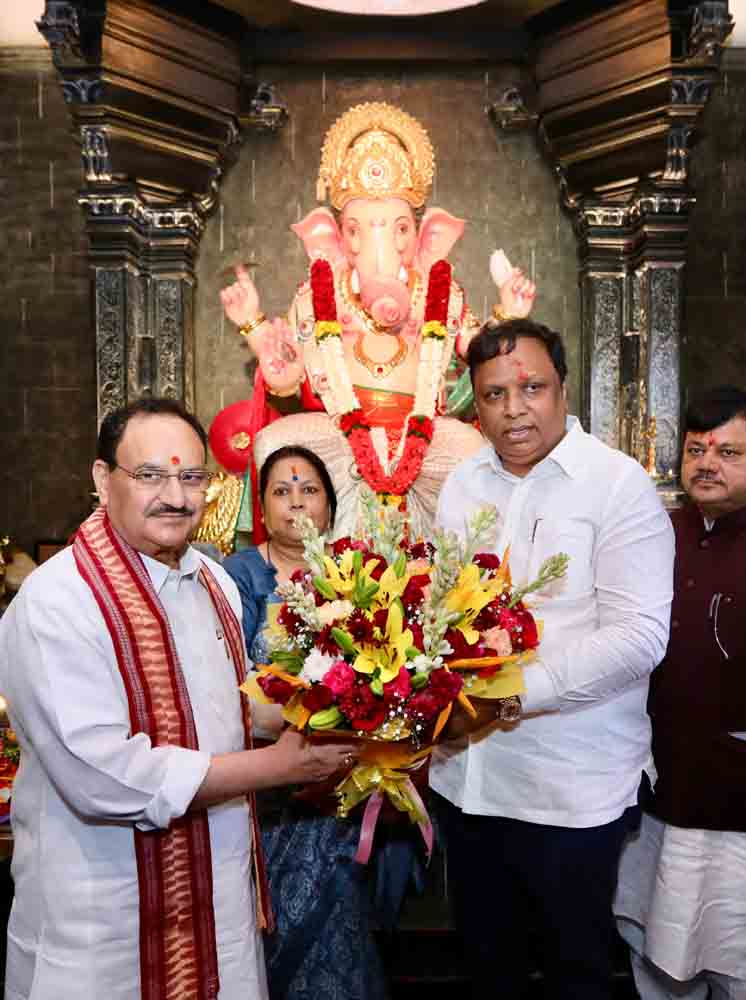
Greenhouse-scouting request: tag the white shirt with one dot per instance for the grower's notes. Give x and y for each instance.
(578, 761)
(84, 781)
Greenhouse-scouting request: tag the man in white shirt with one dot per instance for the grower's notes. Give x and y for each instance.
(120, 659)
(536, 809)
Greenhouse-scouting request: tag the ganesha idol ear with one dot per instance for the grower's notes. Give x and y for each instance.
(439, 231)
(321, 236)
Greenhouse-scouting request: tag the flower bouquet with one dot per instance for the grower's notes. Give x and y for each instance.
(10, 754)
(379, 638)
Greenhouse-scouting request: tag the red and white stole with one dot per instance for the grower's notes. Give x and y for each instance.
(178, 954)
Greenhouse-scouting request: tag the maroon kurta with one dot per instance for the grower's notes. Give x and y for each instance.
(697, 695)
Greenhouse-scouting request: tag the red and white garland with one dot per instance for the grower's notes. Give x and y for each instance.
(418, 432)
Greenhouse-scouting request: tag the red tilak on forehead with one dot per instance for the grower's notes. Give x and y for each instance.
(175, 460)
(711, 441)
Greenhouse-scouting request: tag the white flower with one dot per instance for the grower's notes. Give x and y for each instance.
(334, 610)
(316, 665)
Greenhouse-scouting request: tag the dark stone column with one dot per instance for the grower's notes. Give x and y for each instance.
(154, 100)
(619, 133)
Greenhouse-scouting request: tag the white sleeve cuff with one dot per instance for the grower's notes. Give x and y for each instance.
(540, 695)
(185, 772)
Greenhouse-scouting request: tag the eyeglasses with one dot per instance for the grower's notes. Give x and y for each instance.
(154, 480)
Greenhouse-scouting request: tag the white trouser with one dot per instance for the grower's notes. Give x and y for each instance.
(654, 984)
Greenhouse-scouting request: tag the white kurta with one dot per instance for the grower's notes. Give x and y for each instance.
(578, 754)
(687, 888)
(84, 781)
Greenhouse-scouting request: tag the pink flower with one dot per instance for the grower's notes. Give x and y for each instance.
(498, 639)
(339, 678)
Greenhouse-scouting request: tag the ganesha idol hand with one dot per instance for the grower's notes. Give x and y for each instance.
(240, 300)
(280, 360)
(516, 292)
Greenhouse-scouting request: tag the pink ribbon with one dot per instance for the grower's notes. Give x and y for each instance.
(370, 819)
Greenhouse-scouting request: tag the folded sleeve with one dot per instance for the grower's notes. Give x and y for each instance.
(68, 702)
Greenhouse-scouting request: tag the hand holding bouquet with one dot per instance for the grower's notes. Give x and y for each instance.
(381, 636)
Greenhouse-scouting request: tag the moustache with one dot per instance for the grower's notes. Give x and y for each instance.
(166, 508)
(704, 478)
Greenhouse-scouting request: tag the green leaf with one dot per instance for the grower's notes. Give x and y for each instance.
(325, 588)
(292, 663)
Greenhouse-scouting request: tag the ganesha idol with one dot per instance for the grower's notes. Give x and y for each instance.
(363, 352)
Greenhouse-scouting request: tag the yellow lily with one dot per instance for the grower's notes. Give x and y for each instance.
(468, 596)
(390, 586)
(392, 654)
(342, 576)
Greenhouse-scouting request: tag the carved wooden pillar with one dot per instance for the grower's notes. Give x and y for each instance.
(154, 99)
(619, 98)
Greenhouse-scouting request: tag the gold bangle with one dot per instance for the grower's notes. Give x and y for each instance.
(500, 315)
(248, 328)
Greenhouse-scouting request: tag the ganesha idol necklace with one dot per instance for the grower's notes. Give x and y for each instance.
(379, 369)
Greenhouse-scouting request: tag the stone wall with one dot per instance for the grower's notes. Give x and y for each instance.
(497, 182)
(715, 348)
(47, 358)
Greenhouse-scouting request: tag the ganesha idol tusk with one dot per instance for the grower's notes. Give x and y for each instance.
(357, 372)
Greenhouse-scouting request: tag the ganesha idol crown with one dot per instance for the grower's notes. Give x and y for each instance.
(375, 150)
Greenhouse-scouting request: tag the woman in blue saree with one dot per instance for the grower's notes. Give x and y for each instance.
(323, 946)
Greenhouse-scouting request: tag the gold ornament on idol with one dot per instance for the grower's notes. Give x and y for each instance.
(380, 369)
(376, 150)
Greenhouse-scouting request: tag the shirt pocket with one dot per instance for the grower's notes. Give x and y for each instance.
(576, 538)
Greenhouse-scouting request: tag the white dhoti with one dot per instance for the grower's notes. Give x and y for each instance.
(685, 893)
(452, 442)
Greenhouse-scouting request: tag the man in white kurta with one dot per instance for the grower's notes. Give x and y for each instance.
(536, 810)
(86, 782)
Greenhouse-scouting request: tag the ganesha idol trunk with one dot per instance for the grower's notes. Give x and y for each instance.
(387, 300)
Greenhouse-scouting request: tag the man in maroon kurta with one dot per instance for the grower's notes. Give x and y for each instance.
(682, 891)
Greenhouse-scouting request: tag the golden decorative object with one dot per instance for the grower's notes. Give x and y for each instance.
(241, 441)
(380, 369)
(248, 328)
(376, 150)
(223, 503)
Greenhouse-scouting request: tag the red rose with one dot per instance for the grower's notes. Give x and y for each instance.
(518, 622)
(421, 550)
(339, 678)
(414, 592)
(299, 576)
(399, 688)
(527, 635)
(418, 638)
(445, 686)
(462, 650)
(423, 704)
(275, 688)
(363, 709)
(317, 698)
(347, 543)
(487, 560)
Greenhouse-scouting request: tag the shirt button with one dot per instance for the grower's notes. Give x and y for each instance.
(689, 583)
(674, 623)
(704, 543)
